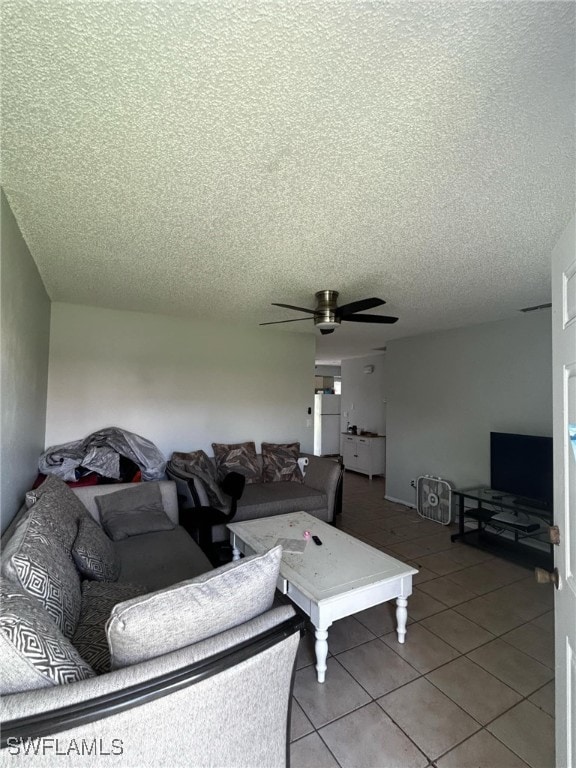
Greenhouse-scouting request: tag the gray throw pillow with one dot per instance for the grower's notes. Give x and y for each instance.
(94, 553)
(237, 457)
(133, 511)
(192, 610)
(33, 651)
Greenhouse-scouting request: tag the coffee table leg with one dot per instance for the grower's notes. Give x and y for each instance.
(235, 554)
(321, 648)
(401, 616)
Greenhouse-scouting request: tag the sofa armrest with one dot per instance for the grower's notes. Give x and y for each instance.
(174, 710)
(323, 475)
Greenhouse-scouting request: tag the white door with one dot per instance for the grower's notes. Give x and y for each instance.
(564, 377)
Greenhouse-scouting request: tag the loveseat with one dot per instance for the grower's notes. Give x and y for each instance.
(132, 650)
(280, 480)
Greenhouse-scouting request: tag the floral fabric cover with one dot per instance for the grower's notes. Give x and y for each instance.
(237, 457)
(280, 463)
(198, 463)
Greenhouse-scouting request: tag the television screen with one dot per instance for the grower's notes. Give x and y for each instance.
(521, 465)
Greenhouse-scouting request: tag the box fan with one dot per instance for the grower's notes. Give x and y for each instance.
(434, 499)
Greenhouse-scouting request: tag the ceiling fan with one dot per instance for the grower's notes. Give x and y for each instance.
(327, 315)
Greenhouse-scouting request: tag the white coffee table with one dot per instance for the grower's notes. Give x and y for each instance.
(328, 582)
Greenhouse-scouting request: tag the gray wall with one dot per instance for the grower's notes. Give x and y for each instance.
(446, 391)
(179, 382)
(25, 335)
(363, 394)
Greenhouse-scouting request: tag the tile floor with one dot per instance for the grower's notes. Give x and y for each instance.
(472, 687)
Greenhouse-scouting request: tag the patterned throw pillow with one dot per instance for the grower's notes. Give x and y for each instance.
(94, 553)
(237, 457)
(198, 463)
(33, 651)
(50, 483)
(65, 496)
(98, 600)
(280, 463)
(38, 561)
(60, 508)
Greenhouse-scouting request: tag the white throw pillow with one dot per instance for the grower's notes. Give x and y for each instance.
(190, 611)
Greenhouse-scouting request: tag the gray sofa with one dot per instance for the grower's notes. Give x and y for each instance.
(158, 667)
(319, 494)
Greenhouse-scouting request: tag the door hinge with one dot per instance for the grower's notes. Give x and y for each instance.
(554, 533)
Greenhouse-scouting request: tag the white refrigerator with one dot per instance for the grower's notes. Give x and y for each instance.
(326, 425)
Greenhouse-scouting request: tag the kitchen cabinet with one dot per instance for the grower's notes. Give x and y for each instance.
(364, 454)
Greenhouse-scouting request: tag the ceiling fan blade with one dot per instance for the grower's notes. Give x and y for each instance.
(298, 309)
(358, 306)
(277, 322)
(326, 331)
(370, 319)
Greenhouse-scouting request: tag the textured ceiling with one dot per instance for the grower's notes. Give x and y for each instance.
(206, 159)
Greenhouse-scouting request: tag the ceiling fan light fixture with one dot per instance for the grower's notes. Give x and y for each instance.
(327, 320)
(327, 315)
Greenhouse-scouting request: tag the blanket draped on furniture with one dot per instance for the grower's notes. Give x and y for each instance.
(100, 452)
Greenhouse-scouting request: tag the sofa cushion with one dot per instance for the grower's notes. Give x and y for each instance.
(133, 511)
(160, 559)
(189, 612)
(88, 494)
(266, 499)
(237, 457)
(280, 463)
(98, 600)
(94, 553)
(33, 651)
(197, 463)
(36, 559)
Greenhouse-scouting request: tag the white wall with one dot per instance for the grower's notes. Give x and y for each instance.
(446, 391)
(363, 394)
(180, 383)
(25, 329)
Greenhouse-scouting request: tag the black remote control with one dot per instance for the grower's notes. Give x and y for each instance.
(316, 540)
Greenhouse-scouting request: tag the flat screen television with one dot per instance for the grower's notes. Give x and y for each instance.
(521, 465)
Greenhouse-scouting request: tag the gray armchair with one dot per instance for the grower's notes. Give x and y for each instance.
(223, 702)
